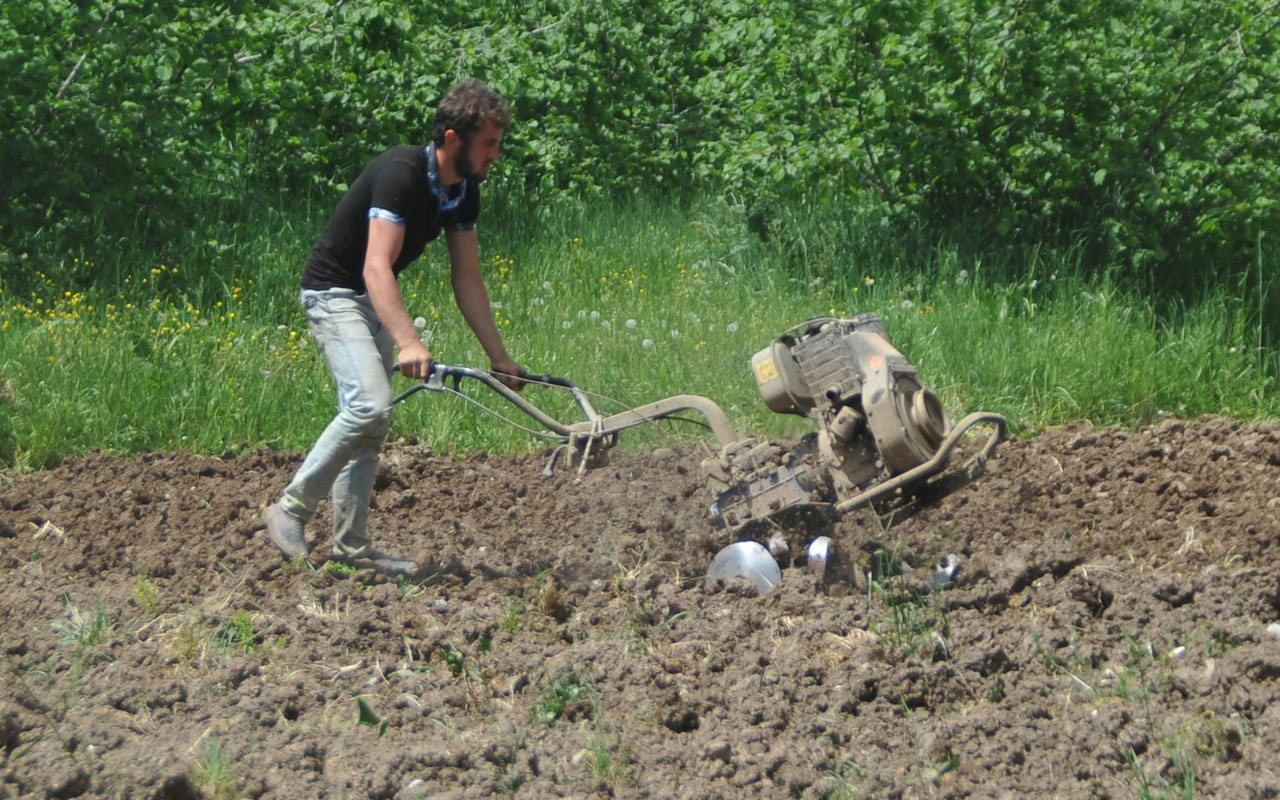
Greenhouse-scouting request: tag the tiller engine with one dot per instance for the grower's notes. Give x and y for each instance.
(880, 430)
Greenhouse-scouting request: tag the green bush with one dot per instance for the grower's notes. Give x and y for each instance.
(1143, 130)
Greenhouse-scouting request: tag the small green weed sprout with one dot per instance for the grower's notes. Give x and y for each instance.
(146, 596)
(512, 614)
(80, 631)
(543, 595)
(892, 561)
(455, 660)
(368, 718)
(190, 641)
(338, 569)
(566, 690)
(941, 764)
(215, 770)
(1204, 736)
(465, 668)
(407, 588)
(843, 781)
(1218, 643)
(640, 625)
(71, 694)
(997, 692)
(911, 620)
(511, 777)
(237, 633)
(607, 757)
(1158, 787)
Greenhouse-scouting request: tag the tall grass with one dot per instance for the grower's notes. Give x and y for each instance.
(208, 351)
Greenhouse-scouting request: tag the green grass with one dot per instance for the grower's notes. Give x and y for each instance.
(211, 353)
(843, 781)
(909, 622)
(80, 631)
(237, 634)
(608, 757)
(214, 771)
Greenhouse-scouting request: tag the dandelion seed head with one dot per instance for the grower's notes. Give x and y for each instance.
(595, 315)
(962, 276)
(631, 324)
(419, 322)
(732, 327)
(567, 324)
(647, 344)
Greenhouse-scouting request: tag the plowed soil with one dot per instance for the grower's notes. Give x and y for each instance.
(1107, 633)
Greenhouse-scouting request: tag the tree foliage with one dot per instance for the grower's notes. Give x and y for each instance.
(1147, 127)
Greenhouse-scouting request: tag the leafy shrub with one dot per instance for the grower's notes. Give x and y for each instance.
(1143, 129)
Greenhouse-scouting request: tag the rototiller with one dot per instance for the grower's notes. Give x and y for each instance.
(881, 432)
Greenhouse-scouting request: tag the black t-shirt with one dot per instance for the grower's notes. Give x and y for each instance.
(399, 185)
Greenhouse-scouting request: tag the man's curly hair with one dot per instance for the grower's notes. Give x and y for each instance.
(467, 108)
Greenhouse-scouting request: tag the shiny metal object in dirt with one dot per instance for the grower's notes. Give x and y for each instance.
(747, 560)
(819, 553)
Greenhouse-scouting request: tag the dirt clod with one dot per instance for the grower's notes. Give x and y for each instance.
(1110, 631)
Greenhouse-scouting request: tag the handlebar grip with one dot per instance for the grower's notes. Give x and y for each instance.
(525, 375)
(550, 380)
(434, 366)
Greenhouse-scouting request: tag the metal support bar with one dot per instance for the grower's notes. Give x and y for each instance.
(594, 428)
(720, 426)
(939, 461)
(441, 371)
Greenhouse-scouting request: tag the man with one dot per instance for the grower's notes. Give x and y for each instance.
(400, 202)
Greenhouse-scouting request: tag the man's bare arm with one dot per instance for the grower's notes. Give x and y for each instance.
(385, 240)
(473, 301)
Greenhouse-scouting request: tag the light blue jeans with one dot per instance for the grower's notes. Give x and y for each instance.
(344, 460)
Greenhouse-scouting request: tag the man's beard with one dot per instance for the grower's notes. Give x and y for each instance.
(465, 167)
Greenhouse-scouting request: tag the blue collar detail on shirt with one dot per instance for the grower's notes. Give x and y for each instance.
(446, 202)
